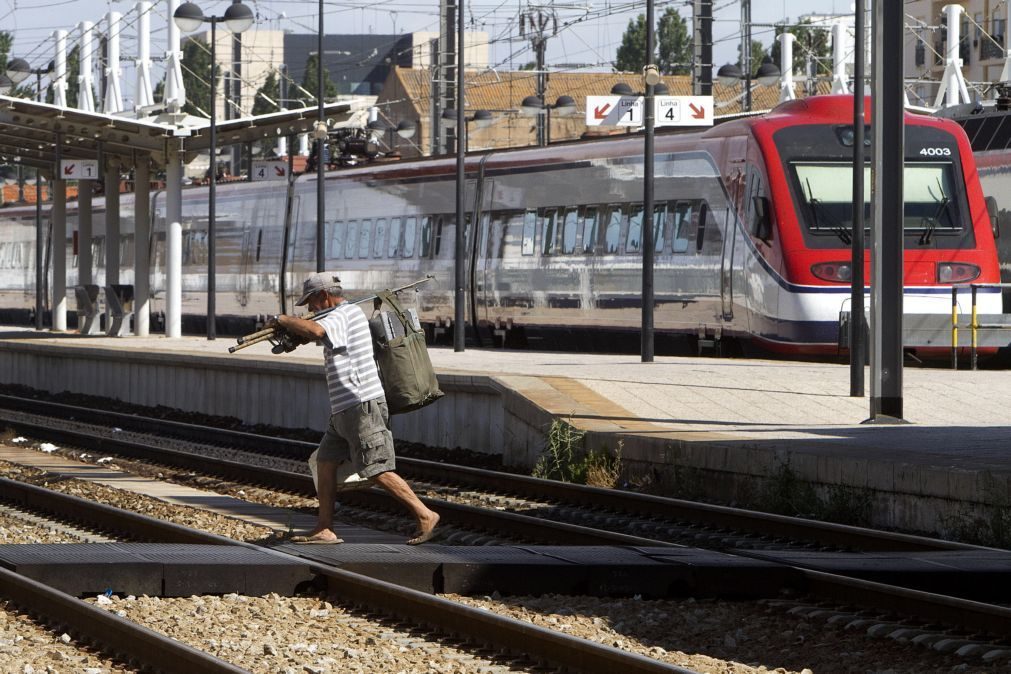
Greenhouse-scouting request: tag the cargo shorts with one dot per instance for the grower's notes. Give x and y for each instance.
(360, 434)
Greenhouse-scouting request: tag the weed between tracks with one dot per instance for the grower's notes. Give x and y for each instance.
(566, 459)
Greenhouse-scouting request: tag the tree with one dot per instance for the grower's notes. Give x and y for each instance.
(673, 44)
(6, 42)
(813, 42)
(310, 83)
(271, 90)
(196, 65)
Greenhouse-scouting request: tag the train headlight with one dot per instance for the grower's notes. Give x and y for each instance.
(956, 272)
(837, 272)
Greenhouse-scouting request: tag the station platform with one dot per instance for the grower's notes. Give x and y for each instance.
(737, 431)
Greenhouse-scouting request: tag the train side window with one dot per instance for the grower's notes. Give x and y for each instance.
(426, 237)
(259, 244)
(612, 235)
(363, 238)
(410, 232)
(351, 239)
(396, 241)
(681, 226)
(380, 239)
(548, 231)
(659, 216)
(529, 231)
(439, 223)
(754, 189)
(633, 241)
(126, 249)
(590, 229)
(570, 228)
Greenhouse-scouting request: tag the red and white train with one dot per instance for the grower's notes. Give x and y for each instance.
(752, 228)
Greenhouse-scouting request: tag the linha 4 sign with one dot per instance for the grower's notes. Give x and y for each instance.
(667, 111)
(683, 111)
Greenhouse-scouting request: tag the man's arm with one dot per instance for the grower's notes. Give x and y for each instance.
(304, 330)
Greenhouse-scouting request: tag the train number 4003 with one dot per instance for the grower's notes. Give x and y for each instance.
(936, 152)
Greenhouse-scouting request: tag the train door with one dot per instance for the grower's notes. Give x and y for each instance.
(737, 156)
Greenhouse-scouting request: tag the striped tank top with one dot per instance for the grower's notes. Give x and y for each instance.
(351, 374)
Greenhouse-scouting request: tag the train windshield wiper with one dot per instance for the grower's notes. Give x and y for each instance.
(833, 226)
(931, 223)
(818, 210)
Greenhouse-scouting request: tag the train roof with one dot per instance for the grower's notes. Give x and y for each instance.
(988, 128)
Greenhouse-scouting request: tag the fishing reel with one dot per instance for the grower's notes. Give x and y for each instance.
(283, 341)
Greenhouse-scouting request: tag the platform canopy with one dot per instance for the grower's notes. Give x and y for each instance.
(30, 130)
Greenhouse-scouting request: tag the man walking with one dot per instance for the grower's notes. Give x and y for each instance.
(359, 418)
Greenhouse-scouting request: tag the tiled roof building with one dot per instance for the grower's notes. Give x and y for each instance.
(407, 96)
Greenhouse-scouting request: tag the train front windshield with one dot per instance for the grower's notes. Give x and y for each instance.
(935, 213)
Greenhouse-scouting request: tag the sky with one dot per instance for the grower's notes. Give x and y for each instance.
(588, 37)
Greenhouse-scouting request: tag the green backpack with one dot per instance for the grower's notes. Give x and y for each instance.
(404, 366)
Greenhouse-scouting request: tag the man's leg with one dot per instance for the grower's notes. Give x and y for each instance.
(327, 493)
(326, 490)
(400, 490)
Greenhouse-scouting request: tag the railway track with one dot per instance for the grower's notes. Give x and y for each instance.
(536, 646)
(932, 618)
(517, 507)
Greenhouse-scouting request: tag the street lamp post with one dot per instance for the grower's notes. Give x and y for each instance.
(457, 119)
(654, 87)
(188, 17)
(18, 71)
(461, 182)
(321, 139)
(651, 76)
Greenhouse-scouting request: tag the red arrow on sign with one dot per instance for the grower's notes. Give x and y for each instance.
(697, 113)
(601, 112)
(279, 171)
(68, 170)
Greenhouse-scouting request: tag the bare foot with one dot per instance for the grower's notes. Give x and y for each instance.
(319, 537)
(426, 529)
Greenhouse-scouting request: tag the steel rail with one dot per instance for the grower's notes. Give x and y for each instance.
(675, 510)
(973, 616)
(102, 517)
(127, 640)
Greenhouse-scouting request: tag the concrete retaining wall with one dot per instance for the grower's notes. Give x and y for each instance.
(477, 413)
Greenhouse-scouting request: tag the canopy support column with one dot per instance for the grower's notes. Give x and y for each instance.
(173, 241)
(141, 241)
(59, 242)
